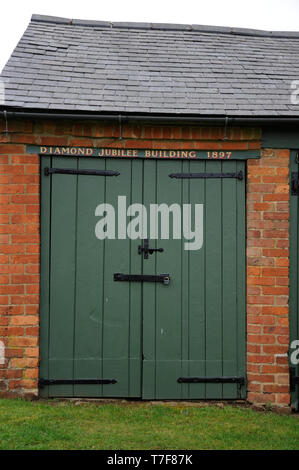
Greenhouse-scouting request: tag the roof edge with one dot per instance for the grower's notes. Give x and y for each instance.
(164, 26)
(223, 120)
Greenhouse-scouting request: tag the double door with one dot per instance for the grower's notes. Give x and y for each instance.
(143, 278)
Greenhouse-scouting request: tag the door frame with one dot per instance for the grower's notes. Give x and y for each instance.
(294, 278)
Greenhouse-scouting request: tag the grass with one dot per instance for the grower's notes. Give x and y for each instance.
(65, 425)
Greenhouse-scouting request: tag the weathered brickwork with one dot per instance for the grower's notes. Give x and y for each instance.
(19, 268)
(268, 277)
(267, 242)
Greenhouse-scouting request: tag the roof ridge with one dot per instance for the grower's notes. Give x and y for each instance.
(165, 27)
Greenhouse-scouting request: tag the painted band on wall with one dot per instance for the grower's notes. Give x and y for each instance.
(140, 153)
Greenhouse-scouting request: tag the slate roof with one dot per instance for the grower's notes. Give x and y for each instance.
(72, 65)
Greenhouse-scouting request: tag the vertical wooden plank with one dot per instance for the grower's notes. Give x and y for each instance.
(45, 273)
(197, 290)
(229, 277)
(116, 327)
(241, 277)
(213, 279)
(168, 297)
(149, 292)
(62, 279)
(89, 281)
(135, 323)
(185, 283)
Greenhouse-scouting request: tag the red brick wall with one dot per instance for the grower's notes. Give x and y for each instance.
(19, 239)
(19, 261)
(268, 277)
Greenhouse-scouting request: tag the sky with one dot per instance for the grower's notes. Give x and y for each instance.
(281, 15)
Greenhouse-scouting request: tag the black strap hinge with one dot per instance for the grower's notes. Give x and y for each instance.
(212, 380)
(238, 175)
(44, 382)
(70, 171)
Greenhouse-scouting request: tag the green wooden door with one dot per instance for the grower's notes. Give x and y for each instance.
(195, 327)
(294, 278)
(143, 335)
(90, 327)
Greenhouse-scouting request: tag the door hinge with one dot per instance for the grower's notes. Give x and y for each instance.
(212, 380)
(238, 175)
(163, 278)
(294, 183)
(70, 171)
(240, 381)
(294, 379)
(44, 382)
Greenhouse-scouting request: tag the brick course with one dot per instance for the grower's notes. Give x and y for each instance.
(267, 242)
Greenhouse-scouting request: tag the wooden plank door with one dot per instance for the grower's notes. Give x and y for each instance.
(195, 326)
(90, 327)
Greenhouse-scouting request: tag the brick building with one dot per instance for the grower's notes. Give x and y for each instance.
(155, 114)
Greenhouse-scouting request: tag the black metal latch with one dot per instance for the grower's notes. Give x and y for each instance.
(294, 379)
(147, 250)
(163, 278)
(294, 183)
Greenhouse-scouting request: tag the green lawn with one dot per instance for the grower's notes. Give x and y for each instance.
(65, 425)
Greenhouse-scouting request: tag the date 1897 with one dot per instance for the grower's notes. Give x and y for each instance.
(219, 155)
